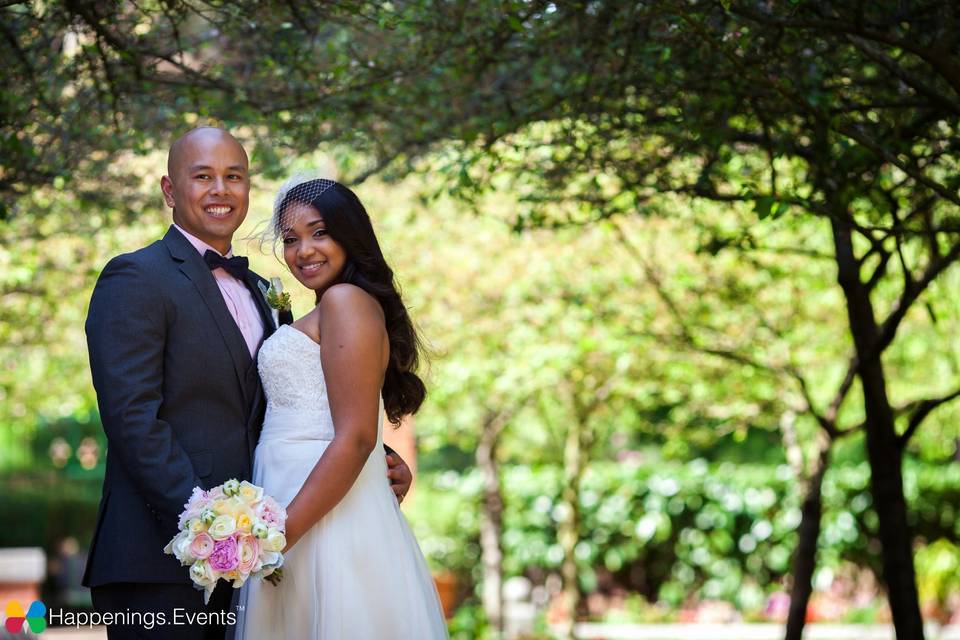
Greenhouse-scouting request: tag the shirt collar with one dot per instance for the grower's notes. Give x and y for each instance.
(198, 244)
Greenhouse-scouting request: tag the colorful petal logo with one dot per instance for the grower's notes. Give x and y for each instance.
(35, 616)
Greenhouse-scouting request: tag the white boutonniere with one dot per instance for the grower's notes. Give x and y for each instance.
(276, 297)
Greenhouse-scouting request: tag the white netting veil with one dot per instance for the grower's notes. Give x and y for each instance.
(300, 188)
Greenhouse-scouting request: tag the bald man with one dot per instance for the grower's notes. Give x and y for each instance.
(173, 331)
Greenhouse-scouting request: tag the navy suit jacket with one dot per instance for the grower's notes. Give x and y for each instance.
(179, 397)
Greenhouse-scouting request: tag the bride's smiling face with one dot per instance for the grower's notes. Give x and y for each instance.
(314, 258)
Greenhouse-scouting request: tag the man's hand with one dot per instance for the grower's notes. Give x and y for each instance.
(400, 476)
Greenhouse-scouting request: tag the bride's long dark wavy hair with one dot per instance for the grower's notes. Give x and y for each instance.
(347, 222)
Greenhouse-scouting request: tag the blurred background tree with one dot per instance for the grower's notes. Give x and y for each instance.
(780, 181)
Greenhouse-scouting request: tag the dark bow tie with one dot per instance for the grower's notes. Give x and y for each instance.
(236, 266)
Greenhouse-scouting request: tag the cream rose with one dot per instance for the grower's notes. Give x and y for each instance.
(223, 527)
(275, 540)
(250, 493)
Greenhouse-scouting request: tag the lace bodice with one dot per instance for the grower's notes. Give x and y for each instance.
(289, 365)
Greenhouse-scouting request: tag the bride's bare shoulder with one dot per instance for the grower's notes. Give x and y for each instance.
(349, 301)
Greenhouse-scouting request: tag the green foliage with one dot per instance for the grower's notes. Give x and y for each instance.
(568, 103)
(43, 508)
(675, 531)
(938, 571)
(49, 261)
(468, 623)
(74, 446)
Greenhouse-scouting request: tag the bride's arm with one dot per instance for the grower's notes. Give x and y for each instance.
(353, 356)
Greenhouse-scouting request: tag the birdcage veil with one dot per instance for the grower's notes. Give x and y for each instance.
(302, 187)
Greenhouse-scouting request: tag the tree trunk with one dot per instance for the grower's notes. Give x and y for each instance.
(886, 480)
(883, 449)
(491, 523)
(574, 458)
(805, 556)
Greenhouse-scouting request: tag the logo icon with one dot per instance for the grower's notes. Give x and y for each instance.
(35, 616)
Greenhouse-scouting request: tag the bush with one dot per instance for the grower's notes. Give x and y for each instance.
(42, 508)
(938, 574)
(671, 531)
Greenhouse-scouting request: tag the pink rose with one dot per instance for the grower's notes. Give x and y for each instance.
(224, 556)
(249, 552)
(202, 546)
(271, 512)
(194, 506)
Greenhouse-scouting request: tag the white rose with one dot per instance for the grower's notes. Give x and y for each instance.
(202, 574)
(250, 493)
(182, 549)
(222, 527)
(275, 540)
(175, 546)
(271, 560)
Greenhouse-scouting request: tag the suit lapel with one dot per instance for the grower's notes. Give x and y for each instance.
(265, 312)
(194, 268)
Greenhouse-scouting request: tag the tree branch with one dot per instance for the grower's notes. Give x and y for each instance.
(732, 355)
(897, 70)
(948, 68)
(923, 409)
(888, 328)
(853, 132)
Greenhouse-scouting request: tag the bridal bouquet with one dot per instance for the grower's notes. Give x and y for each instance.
(232, 531)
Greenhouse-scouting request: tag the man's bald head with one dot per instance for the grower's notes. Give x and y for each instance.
(207, 185)
(182, 145)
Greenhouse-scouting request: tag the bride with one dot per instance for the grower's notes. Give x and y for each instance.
(352, 567)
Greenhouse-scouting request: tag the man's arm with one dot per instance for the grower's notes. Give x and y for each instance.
(126, 334)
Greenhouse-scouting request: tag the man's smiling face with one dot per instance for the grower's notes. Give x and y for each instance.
(208, 185)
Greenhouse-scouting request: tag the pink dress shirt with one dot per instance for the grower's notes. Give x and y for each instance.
(236, 295)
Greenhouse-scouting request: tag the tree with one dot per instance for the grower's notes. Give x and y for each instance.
(48, 266)
(540, 361)
(90, 84)
(842, 113)
(845, 114)
(748, 317)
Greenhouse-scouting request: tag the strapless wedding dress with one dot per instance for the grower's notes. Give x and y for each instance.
(358, 574)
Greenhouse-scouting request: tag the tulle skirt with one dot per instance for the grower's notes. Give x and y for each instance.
(358, 574)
